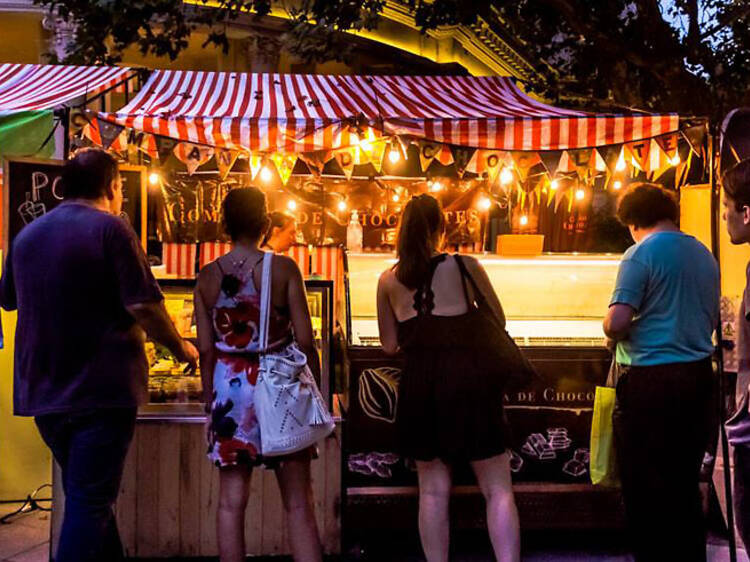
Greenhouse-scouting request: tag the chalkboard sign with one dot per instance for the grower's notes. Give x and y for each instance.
(32, 188)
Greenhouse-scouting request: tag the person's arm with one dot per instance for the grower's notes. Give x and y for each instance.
(153, 318)
(630, 289)
(484, 284)
(618, 321)
(8, 299)
(387, 323)
(300, 314)
(206, 336)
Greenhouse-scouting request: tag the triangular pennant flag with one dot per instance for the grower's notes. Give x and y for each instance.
(476, 165)
(659, 162)
(254, 164)
(550, 160)
(445, 156)
(639, 153)
(597, 161)
(524, 161)
(284, 165)
(91, 132)
(345, 159)
(378, 153)
(462, 155)
(611, 154)
(193, 155)
(148, 145)
(315, 161)
(108, 132)
(566, 163)
(225, 160)
(696, 137)
(669, 144)
(494, 161)
(165, 147)
(428, 150)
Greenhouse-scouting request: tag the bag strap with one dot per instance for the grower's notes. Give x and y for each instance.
(265, 302)
(478, 295)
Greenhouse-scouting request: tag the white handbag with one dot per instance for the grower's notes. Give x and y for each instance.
(290, 409)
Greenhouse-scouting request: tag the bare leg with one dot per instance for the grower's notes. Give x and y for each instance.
(434, 500)
(234, 490)
(493, 475)
(296, 492)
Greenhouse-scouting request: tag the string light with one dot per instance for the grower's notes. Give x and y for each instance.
(291, 205)
(394, 155)
(620, 166)
(342, 206)
(485, 203)
(524, 220)
(153, 178)
(265, 174)
(506, 176)
(580, 194)
(675, 160)
(617, 184)
(396, 198)
(436, 186)
(554, 184)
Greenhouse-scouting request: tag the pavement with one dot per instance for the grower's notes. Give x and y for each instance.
(26, 539)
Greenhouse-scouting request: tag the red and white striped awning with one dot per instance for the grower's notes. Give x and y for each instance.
(27, 87)
(302, 113)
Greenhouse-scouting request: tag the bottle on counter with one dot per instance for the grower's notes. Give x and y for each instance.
(354, 234)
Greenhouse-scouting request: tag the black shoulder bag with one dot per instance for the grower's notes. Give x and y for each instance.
(500, 349)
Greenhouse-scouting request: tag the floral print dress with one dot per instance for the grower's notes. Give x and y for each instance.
(233, 430)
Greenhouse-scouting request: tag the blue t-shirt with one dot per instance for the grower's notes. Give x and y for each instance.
(672, 282)
(71, 274)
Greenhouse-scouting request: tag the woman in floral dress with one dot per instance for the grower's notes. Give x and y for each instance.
(227, 303)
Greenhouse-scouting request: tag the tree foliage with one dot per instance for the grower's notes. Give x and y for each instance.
(691, 56)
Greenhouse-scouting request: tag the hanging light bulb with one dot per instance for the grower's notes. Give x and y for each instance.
(265, 174)
(485, 203)
(620, 166)
(580, 194)
(436, 186)
(617, 184)
(394, 155)
(506, 176)
(524, 220)
(554, 184)
(153, 178)
(396, 198)
(675, 160)
(342, 206)
(291, 205)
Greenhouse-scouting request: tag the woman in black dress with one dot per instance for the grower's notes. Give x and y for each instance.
(450, 400)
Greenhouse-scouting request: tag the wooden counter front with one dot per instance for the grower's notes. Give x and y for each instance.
(169, 495)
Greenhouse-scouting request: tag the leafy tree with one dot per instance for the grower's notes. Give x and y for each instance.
(691, 56)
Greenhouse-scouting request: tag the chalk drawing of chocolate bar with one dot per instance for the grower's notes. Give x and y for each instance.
(541, 446)
(574, 468)
(582, 455)
(516, 462)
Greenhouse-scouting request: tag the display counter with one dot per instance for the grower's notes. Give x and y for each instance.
(555, 305)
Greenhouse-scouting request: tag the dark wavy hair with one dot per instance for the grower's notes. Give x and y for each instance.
(245, 213)
(736, 184)
(645, 204)
(88, 174)
(277, 219)
(422, 223)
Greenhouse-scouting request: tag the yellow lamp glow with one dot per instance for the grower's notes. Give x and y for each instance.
(554, 184)
(617, 184)
(506, 176)
(153, 178)
(580, 194)
(342, 206)
(485, 203)
(394, 155)
(291, 205)
(265, 174)
(620, 166)
(396, 198)
(436, 186)
(675, 160)
(524, 220)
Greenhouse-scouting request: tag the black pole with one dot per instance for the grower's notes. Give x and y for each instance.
(66, 133)
(715, 246)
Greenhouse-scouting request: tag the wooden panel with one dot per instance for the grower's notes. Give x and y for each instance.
(147, 520)
(209, 498)
(272, 515)
(126, 509)
(169, 489)
(191, 458)
(318, 477)
(331, 536)
(253, 519)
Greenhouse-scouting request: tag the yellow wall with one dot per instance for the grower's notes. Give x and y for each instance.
(695, 212)
(22, 38)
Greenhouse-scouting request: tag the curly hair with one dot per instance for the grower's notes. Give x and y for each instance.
(646, 204)
(245, 213)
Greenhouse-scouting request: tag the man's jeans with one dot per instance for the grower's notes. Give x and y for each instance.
(742, 492)
(90, 448)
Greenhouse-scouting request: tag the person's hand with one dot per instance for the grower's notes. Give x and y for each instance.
(188, 354)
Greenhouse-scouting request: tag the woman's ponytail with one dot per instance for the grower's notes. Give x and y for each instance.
(421, 224)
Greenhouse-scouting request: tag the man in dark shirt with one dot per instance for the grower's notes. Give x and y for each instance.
(85, 294)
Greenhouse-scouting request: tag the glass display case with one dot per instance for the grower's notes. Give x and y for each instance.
(173, 393)
(549, 300)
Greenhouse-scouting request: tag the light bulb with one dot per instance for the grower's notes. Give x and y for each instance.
(675, 160)
(485, 203)
(620, 166)
(291, 205)
(617, 184)
(524, 220)
(506, 176)
(342, 206)
(394, 155)
(436, 186)
(153, 178)
(554, 184)
(580, 194)
(396, 198)
(265, 174)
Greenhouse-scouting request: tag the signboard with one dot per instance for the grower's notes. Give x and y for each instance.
(32, 188)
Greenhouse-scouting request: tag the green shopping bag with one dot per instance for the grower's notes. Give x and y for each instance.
(602, 462)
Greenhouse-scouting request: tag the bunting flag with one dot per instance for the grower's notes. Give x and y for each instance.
(254, 164)
(109, 132)
(225, 160)
(165, 147)
(315, 161)
(639, 153)
(669, 144)
(462, 155)
(91, 132)
(284, 165)
(696, 138)
(597, 161)
(610, 154)
(427, 153)
(345, 159)
(566, 164)
(378, 153)
(148, 145)
(524, 161)
(550, 160)
(659, 162)
(193, 155)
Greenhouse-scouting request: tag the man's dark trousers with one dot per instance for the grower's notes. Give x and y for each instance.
(90, 448)
(662, 422)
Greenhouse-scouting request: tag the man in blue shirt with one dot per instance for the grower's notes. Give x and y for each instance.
(662, 315)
